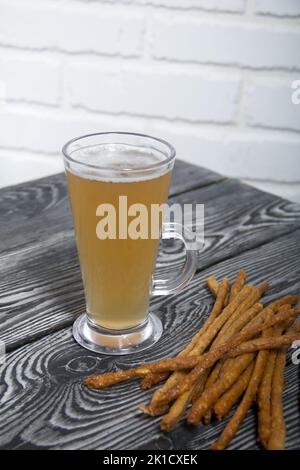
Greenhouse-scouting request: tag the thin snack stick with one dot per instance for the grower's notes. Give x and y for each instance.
(265, 313)
(249, 315)
(262, 288)
(218, 306)
(238, 313)
(213, 285)
(240, 322)
(111, 378)
(232, 427)
(235, 327)
(199, 363)
(263, 344)
(286, 300)
(178, 408)
(210, 358)
(176, 412)
(221, 338)
(215, 321)
(264, 401)
(212, 378)
(264, 394)
(238, 284)
(152, 379)
(224, 404)
(205, 339)
(228, 363)
(208, 416)
(278, 432)
(197, 390)
(211, 395)
(245, 299)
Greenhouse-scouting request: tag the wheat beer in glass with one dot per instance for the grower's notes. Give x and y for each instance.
(114, 181)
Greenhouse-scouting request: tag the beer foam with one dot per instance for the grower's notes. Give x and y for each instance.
(117, 163)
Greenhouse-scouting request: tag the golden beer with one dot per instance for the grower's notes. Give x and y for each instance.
(117, 244)
(117, 273)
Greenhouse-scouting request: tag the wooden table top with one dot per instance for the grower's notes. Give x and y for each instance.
(43, 403)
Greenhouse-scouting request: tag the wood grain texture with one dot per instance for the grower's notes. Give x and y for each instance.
(40, 283)
(237, 218)
(186, 176)
(45, 405)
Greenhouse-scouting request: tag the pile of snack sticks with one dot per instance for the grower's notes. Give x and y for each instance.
(238, 356)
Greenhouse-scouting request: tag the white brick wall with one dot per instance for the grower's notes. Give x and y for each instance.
(31, 80)
(226, 43)
(166, 94)
(278, 7)
(73, 28)
(214, 77)
(278, 111)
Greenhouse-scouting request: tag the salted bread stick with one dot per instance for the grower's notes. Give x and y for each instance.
(178, 408)
(211, 380)
(238, 284)
(219, 304)
(232, 427)
(111, 378)
(225, 334)
(240, 322)
(213, 285)
(198, 346)
(221, 294)
(260, 344)
(278, 431)
(214, 355)
(264, 401)
(264, 394)
(211, 394)
(224, 404)
(250, 314)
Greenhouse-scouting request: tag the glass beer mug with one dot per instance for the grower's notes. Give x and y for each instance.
(110, 177)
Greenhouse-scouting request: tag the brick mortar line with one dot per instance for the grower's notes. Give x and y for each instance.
(203, 12)
(161, 65)
(32, 109)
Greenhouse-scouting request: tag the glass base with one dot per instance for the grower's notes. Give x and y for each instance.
(113, 342)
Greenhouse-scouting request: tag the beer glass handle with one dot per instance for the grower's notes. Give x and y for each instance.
(176, 284)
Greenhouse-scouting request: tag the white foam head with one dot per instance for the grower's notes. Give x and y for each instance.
(118, 162)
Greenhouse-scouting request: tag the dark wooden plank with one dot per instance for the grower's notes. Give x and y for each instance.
(187, 176)
(45, 405)
(36, 210)
(40, 287)
(237, 218)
